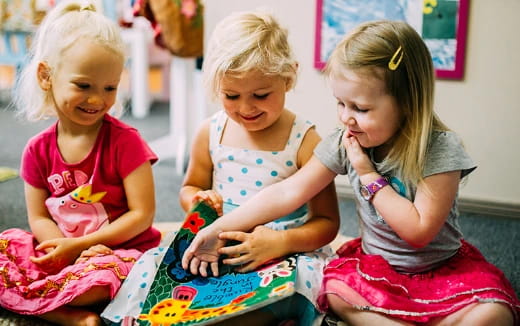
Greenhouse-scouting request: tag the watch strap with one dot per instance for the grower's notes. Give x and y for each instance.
(373, 187)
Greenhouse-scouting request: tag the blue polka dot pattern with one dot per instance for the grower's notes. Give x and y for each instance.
(308, 284)
(143, 285)
(219, 165)
(289, 163)
(231, 158)
(220, 187)
(298, 135)
(230, 179)
(274, 173)
(258, 183)
(244, 170)
(274, 153)
(259, 161)
(243, 192)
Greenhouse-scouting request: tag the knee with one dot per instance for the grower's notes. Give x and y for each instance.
(495, 314)
(499, 314)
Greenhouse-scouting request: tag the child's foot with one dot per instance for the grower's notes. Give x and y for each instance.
(67, 316)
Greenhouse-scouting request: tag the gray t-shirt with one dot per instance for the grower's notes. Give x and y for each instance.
(445, 153)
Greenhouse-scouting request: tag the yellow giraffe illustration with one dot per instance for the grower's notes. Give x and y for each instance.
(176, 309)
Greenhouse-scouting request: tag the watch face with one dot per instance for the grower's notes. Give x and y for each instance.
(365, 193)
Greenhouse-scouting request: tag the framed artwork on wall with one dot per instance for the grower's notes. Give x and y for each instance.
(441, 23)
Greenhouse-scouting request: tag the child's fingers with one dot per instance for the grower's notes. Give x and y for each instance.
(186, 258)
(45, 245)
(203, 269)
(233, 251)
(194, 266)
(214, 268)
(233, 235)
(39, 260)
(238, 260)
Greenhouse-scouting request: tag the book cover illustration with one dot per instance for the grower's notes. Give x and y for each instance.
(177, 297)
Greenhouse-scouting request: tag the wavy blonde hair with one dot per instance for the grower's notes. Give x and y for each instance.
(61, 27)
(247, 41)
(372, 45)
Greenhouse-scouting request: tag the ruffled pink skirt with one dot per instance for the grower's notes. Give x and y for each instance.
(27, 289)
(464, 279)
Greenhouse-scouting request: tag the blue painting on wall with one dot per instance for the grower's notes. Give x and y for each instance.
(442, 24)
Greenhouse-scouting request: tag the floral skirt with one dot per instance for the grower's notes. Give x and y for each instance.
(464, 279)
(27, 289)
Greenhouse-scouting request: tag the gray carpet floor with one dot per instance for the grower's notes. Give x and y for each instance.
(497, 237)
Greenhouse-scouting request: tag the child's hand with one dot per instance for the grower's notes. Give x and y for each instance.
(202, 251)
(63, 252)
(257, 247)
(357, 156)
(98, 249)
(210, 197)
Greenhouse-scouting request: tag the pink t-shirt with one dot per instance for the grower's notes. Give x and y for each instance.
(119, 150)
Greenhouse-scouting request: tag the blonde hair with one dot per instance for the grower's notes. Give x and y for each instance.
(375, 44)
(247, 41)
(66, 23)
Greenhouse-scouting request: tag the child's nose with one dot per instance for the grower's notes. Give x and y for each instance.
(246, 106)
(94, 100)
(345, 116)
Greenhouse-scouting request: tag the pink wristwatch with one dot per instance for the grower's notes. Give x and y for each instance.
(368, 191)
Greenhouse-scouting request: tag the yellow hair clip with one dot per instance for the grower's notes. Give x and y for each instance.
(87, 6)
(394, 62)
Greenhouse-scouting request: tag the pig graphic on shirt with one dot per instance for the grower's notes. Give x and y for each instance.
(79, 212)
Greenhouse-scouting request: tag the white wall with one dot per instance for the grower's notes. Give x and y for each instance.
(483, 108)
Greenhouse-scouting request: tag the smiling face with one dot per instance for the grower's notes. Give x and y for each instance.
(84, 83)
(253, 100)
(370, 114)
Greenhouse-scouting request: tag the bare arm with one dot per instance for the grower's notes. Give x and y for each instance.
(282, 198)
(41, 223)
(63, 251)
(264, 244)
(140, 193)
(416, 222)
(197, 182)
(323, 224)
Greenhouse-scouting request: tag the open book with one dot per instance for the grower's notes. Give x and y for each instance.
(177, 297)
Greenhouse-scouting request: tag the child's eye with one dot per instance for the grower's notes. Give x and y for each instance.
(357, 108)
(231, 97)
(82, 85)
(261, 96)
(110, 88)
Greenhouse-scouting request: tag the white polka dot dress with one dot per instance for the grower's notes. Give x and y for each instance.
(240, 173)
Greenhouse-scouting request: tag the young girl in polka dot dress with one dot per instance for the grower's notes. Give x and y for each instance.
(252, 143)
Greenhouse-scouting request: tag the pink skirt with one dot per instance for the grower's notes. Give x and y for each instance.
(464, 279)
(27, 289)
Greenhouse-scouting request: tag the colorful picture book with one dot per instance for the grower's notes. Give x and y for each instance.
(177, 297)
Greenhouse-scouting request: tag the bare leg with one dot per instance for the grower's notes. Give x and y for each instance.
(478, 314)
(354, 316)
(75, 313)
(68, 316)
